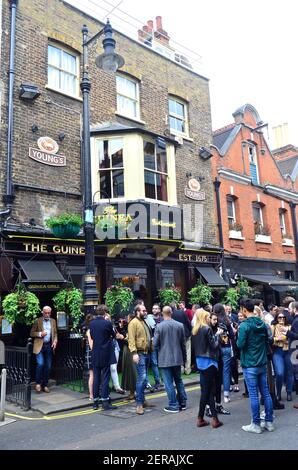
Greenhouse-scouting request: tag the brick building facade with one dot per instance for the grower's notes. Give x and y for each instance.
(153, 99)
(257, 205)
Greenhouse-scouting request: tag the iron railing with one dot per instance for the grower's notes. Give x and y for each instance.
(18, 366)
(69, 362)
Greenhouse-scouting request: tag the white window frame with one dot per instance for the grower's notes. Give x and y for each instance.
(261, 214)
(111, 169)
(254, 159)
(231, 200)
(282, 222)
(155, 172)
(76, 75)
(134, 100)
(178, 116)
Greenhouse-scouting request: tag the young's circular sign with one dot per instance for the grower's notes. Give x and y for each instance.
(47, 144)
(194, 185)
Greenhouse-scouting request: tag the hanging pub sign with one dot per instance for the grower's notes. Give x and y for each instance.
(47, 152)
(193, 190)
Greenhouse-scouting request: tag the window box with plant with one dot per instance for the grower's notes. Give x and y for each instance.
(235, 230)
(262, 233)
(65, 225)
(21, 306)
(169, 294)
(118, 299)
(200, 294)
(287, 239)
(70, 301)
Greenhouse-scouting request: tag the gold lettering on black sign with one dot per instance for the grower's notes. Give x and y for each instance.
(57, 249)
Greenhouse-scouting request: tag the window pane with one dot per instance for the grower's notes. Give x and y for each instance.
(257, 214)
(180, 125)
(54, 56)
(126, 106)
(180, 109)
(230, 209)
(173, 123)
(118, 183)
(68, 83)
(161, 182)
(126, 87)
(105, 184)
(161, 157)
(68, 63)
(149, 155)
(53, 77)
(103, 150)
(172, 107)
(150, 185)
(116, 151)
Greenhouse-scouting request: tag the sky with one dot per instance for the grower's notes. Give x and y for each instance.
(248, 50)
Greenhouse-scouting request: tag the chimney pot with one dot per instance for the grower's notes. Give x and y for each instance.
(150, 26)
(158, 22)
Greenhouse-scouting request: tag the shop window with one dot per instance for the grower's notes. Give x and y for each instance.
(133, 277)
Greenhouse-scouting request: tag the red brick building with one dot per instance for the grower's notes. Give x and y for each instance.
(256, 207)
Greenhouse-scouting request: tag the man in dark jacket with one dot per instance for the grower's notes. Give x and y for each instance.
(169, 340)
(253, 343)
(181, 317)
(102, 334)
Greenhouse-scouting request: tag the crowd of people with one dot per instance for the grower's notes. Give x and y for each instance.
(212, 340)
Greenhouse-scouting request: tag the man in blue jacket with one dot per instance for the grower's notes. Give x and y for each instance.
(102, 334)
(253, 343)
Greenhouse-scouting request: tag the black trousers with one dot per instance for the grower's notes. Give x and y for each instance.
(218, 381)
(101, 382)
(234, 370)
(207, 381)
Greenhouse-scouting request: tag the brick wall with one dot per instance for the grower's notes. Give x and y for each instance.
(39, 20)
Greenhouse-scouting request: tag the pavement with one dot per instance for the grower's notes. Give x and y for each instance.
(63, 399)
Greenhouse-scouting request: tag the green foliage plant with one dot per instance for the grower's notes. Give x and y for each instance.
(243, 288)
(118, 295)
(200, 294)
(232, 297)
(21, 306)
(70, 301)
(169, 294)
(64, 219)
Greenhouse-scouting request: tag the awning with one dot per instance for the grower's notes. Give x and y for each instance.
(211, 276)
(270, 279)
(40, 271)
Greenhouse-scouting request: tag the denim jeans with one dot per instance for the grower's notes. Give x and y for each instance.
(44, 364)
(226, 359)
(283, 369)
(256, 380)
(154, 366)
(171, 375)
(141, 378)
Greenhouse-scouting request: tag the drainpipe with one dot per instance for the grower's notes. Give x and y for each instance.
(295, 231)
(217, 184)
(9, 197)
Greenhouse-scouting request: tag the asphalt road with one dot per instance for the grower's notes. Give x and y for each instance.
(155, 430)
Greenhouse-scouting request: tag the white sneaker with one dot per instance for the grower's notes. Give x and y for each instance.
(252, 427)
(227, 399)
(267, 425)
(262, 415)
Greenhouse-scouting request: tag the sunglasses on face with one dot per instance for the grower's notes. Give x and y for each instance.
(280, 318)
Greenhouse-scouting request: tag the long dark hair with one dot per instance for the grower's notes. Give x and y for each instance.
(219, 310)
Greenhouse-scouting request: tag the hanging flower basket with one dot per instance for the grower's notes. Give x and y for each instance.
(65, 225)
(70, 301)
(21, 306)
(118, 298)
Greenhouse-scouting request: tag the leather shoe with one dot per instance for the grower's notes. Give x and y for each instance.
(295, 406)
(46, 389)
(108, 406)
(38, 388)
(201, 422)
(140, 410)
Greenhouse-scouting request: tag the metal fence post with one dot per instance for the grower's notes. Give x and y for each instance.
(28, 376)
(3, 395)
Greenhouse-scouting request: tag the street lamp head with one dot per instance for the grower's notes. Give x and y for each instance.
(109, 60)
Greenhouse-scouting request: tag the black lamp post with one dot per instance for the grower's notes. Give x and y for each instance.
(110, 62)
